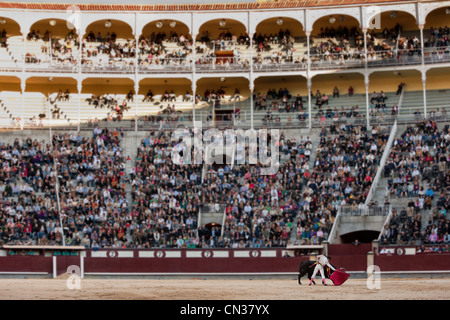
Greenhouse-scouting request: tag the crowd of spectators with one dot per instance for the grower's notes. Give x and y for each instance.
(418, 170)
(58, 51)
(259, 210)
(275, 102)
(3, 39)
(342, 45)
(165, 198)
(153, 50)
(438, 37)
(334, 44)
(345, 165)
(91, 199)
(107, 51)
(116, 105)
(110, 51)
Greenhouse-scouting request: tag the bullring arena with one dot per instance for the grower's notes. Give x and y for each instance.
(202, 150)
(231, 290)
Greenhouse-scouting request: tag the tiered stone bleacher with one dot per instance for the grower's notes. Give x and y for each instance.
(417, 173)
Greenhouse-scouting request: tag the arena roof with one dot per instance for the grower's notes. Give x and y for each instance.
(182, 5)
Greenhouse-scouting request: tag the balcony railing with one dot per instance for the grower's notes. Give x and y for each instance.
(297, 120)
(240, 63)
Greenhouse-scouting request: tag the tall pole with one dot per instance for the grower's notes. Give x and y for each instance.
(251, 102)
(79, 85)
(309, 85)
(136, 83)
(424, 72)
(23, 80)
(421, 44)
(424, 85)
(55, 168)
(308, 79)
(366, 84)
(193, 65)
(50, 48)
(365, 47)
(366, 78)
(23, 84)
(194, 93)
(251, 82)
(194, 81)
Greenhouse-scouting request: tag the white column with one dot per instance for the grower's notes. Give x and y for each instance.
(136, 55)
(252, 87)
(366, 83)
(194, 36)
(136, 82)
(23, 85)
(365, 48)
(421, 44)
(54, 268)
(80, 83)
(366, 77)
(23, 80)
(50, 56)
(308, 78)
(194, 93)
(194, 52)
(194, 80)
(424, 73)
(79, 87)
(80, 53)
(136, 91)
(81, 265)
(308, 34)
(424, 84)
(309, 85)
(250, 36)
(24, 48)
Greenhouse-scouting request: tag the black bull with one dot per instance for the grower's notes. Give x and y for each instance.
(307, 267)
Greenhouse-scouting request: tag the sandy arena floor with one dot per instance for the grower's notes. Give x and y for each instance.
(197, 289)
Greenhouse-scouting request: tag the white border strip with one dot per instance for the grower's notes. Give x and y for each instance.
(188, 274)
(199, 273)
(244, 273)
(426, 271)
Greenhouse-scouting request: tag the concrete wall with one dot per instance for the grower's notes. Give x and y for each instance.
(358, 223)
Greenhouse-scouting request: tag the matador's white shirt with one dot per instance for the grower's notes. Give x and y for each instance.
(324, 261)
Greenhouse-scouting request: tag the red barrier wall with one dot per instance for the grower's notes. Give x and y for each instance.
(26, 264)
(63, 262)
(348, 249)
(193, 265)
(264, 261)
(349, 257)
(418, 262)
